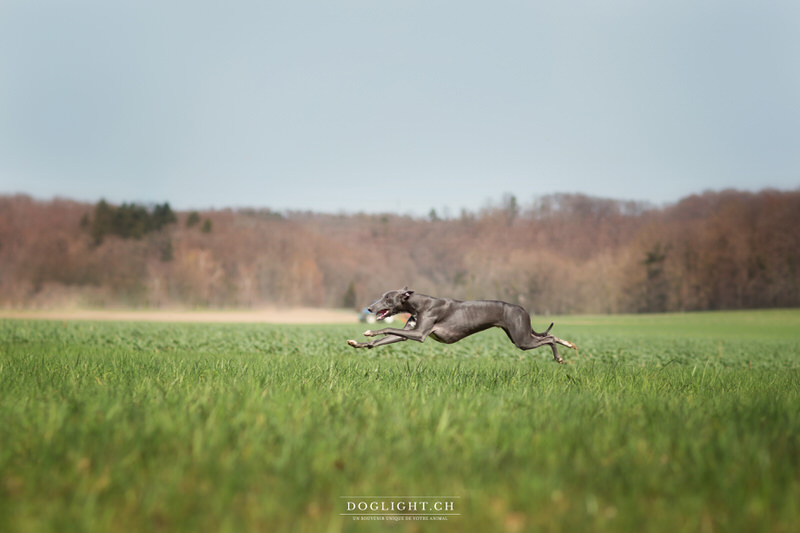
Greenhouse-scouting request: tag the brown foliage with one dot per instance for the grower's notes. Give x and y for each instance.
(563, 254)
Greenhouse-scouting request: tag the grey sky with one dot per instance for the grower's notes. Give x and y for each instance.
(396, 106)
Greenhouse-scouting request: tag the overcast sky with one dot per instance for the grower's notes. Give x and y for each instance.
(392, 105)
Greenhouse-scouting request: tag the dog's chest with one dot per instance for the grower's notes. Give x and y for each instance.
(445, 335)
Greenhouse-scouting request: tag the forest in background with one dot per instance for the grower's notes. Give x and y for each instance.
(563, 253)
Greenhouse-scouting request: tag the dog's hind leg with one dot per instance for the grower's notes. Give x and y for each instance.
(532, 342)
(520, 332)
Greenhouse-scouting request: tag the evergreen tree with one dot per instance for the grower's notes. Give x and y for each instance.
(193, 219)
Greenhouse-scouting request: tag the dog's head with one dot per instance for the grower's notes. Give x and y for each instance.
(390, 303)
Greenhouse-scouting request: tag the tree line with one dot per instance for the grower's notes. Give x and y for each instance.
(126, 221)
(562, 253)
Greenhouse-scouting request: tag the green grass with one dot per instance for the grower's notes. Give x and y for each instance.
(659, 423)
(769, 325)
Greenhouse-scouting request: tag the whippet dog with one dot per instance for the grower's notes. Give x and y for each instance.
(448, 321)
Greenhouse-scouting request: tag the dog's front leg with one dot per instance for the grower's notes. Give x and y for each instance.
(418, 334)
(389, 339)
(417, 329)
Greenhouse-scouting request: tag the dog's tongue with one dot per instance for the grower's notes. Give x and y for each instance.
(383, 313)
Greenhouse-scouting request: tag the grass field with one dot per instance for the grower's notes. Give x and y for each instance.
(686, 422)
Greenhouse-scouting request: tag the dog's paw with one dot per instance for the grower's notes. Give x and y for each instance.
(352, 343)
(369, 333)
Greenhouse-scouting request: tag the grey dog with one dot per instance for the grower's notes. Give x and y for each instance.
(448, 321)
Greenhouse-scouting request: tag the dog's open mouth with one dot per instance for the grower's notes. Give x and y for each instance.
(383, 313)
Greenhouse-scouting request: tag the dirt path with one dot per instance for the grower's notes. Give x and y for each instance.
(267, 315)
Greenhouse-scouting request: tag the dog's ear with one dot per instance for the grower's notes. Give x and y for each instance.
(406, 294)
